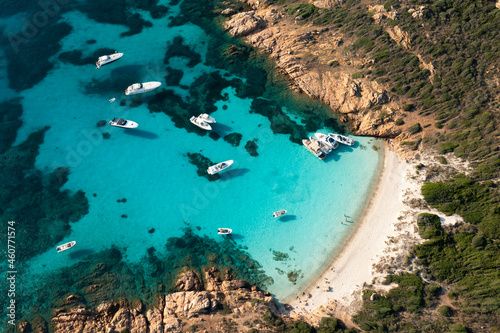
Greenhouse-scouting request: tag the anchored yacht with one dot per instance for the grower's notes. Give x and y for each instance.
(219, 167)
(65, 247)
(279, 213)
(120, 122)
(341, 138)
(313, 147)
(224, 231)
(205, 117)
(327, 140)
(200, 123)
(139, 88)
(107, 59)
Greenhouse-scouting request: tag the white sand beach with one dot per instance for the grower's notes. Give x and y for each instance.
(383, 236)
(338, 290)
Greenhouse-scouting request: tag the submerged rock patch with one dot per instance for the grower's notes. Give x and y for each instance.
(202, 163)
(177, 48)
(251, 147)
(280, 122)
(45, 211)
(233, 139)
(34, 54)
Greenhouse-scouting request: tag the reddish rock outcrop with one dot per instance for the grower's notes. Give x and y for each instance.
(172, 313)
(304, 53)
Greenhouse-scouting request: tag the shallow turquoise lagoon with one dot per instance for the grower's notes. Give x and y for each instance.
(149, 167)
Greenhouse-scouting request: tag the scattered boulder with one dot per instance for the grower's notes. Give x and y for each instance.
(243, 24)
(228, 12)
(188, 281)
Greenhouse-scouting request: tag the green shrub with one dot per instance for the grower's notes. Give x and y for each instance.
(478, 241)
(457, 328)
(305, 10)
(328, 325)
(447, 147)
(399, 122)
(413, 129)
(444, 311)
(408, 107)
(357, 75)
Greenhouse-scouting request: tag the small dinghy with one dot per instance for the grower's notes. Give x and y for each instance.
(205, 117)
(112, 100)
(224, 231)
(200, 123)
(139, 88)
(219, 167)
(65, 247)
(124, 123)
(107, 59)
(279, 213)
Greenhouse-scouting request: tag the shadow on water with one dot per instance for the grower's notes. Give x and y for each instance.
(287, 218)
(234, 173)
(141, 133)
(221, 128)
(234, 236)
(127, 72)
(81, 253)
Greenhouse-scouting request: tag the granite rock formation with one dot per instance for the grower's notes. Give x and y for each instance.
(302, 52)
(171, 313)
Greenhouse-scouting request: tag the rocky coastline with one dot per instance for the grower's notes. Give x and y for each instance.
(318, 63)
(198, 306)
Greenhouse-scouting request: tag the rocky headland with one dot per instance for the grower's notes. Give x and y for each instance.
(316, 61)
(197, 307)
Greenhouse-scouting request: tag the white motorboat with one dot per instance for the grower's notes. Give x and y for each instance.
(327, 140)
(112, 100)
(219, 167)
(107, 59)
(139, 88)
(65, 247)
(224, 231)
(314, 148)
(201, 123)
(207, 118)
(322, 146)
(120, 122)
(279, 213)
(342, 139)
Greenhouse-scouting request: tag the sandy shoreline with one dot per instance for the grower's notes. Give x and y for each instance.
(338, 290)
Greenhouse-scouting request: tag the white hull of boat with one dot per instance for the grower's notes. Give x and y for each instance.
(224, 231)
(219, 167)
(342, 139)
(327, 140)
(200, 123)
(65, 246)
(322, 145)
(279, 213)
(139, 88)
(107, 59)
(205, 117)
(123, 123)
(318, 153)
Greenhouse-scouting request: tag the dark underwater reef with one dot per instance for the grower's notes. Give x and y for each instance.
(30, 197)
(107, 276)
(29, 51)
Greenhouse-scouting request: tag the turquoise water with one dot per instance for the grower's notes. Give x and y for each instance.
(150, 169)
